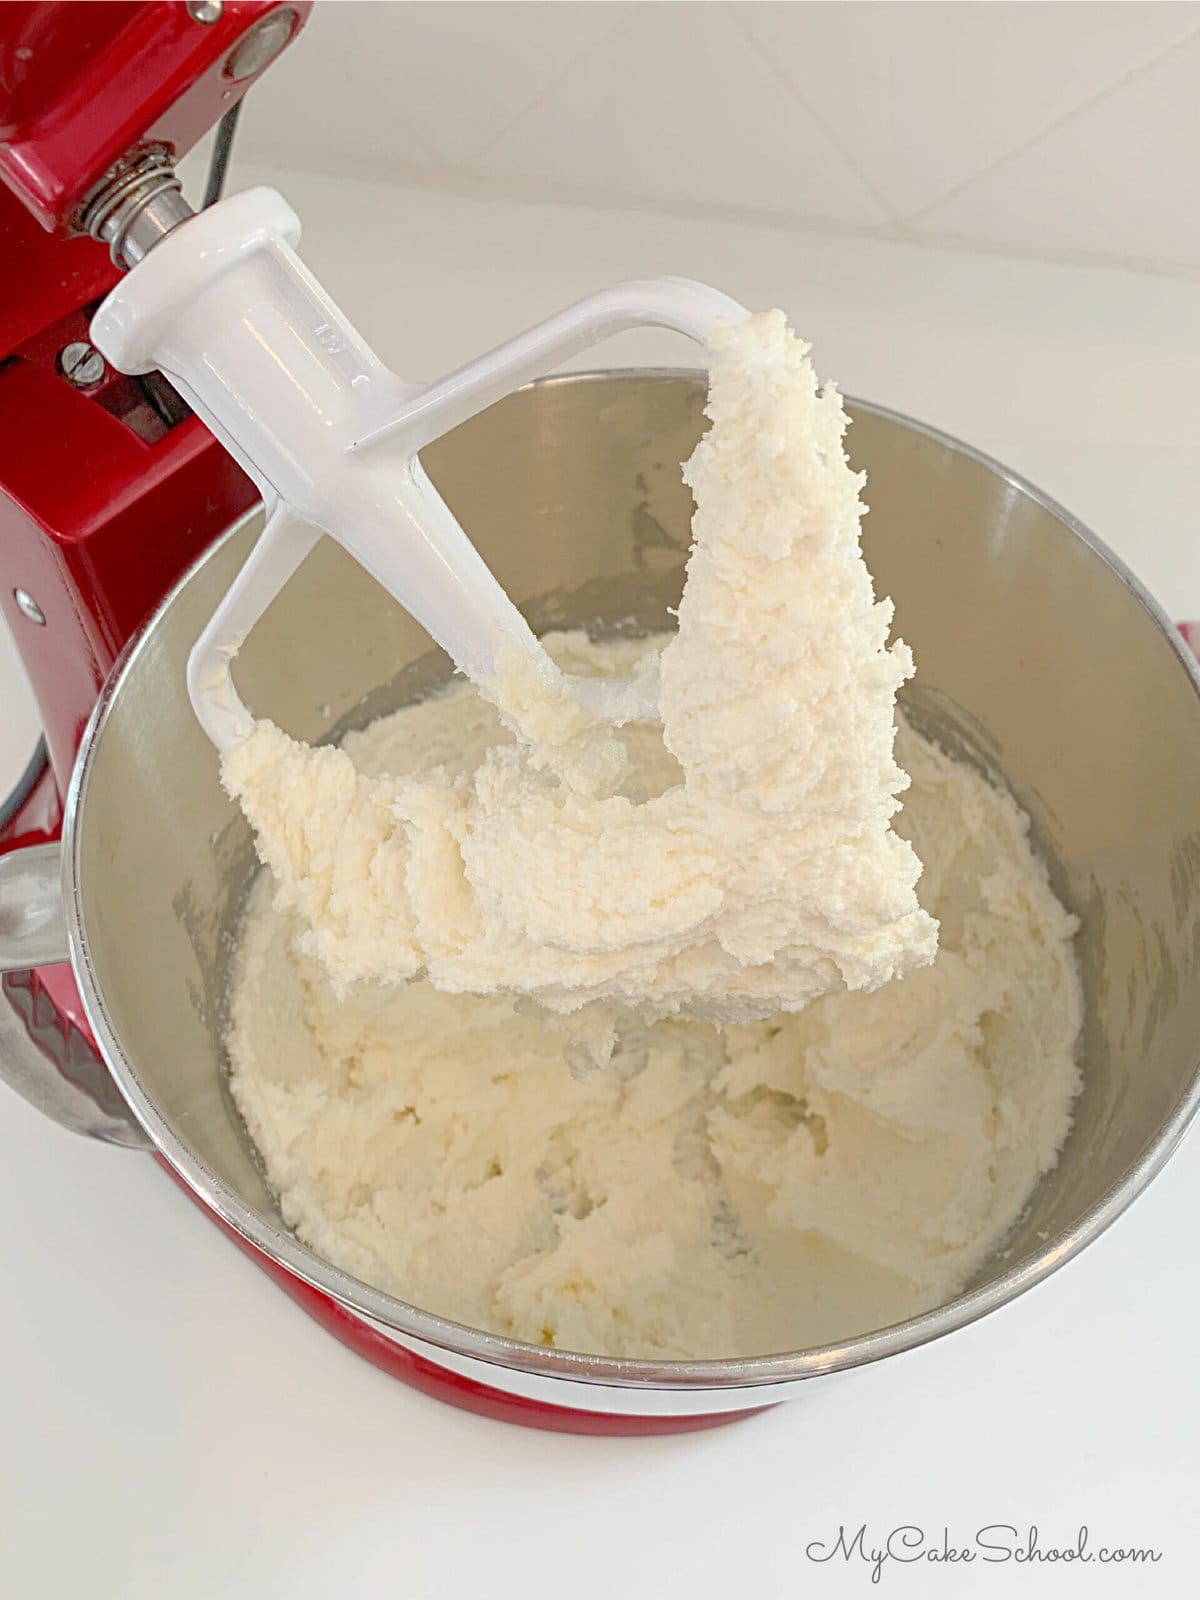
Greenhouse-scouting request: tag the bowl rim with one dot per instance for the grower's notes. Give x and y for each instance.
(723, 1373)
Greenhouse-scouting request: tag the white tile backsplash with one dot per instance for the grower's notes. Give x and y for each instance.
(924, 96)
(648, 114)
(338, 98)
(1120, 178)
(1056, 127)
(378, 83)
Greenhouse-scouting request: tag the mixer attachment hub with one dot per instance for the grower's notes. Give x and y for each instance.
(139, 202)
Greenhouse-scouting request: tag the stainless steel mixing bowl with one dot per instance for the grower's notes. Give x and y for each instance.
(1036, 651)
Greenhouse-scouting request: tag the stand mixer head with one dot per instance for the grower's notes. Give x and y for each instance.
(109, 487)
(96, 104)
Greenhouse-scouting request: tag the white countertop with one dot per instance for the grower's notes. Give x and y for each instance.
(174, 1426)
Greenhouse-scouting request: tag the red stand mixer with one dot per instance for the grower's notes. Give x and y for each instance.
(109, 486)
(112, 487)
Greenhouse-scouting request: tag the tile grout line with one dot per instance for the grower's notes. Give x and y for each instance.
(507, 124)
(764, 58)
(913, 221)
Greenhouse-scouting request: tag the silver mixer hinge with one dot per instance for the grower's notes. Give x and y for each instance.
(137, 203)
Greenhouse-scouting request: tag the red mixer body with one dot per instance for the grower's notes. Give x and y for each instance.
(106, 500)
(83, 82)
(108, 489)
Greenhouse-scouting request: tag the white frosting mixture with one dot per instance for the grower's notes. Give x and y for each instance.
(851, 1147)
(711, 1193)
(750, 874)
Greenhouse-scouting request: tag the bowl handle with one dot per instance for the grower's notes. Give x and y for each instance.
(43, 1055)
